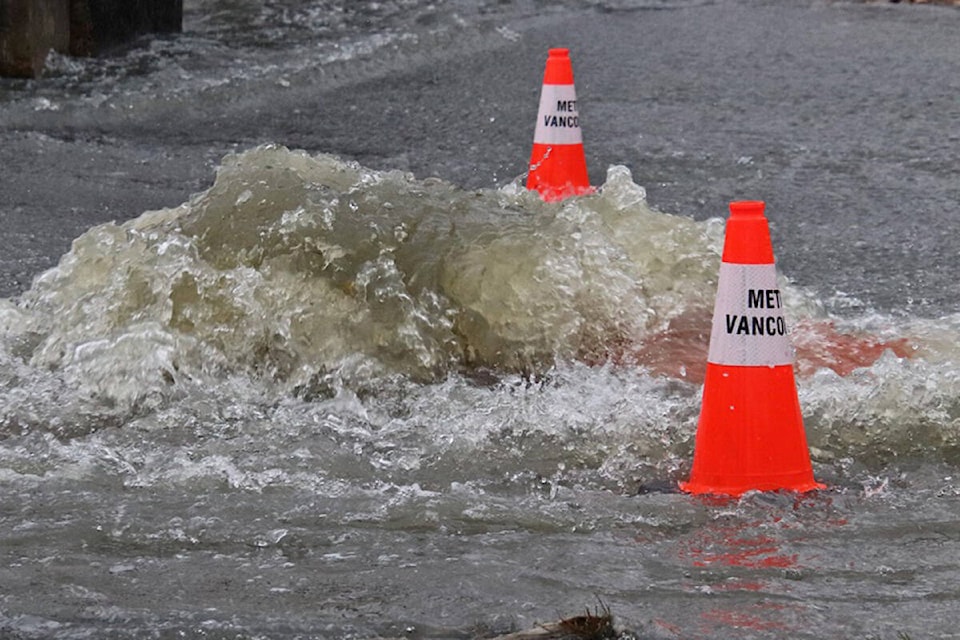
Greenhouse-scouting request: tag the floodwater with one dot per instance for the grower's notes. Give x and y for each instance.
(287, 351)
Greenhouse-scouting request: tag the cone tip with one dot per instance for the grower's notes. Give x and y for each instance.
(559, 69)
(747, 208)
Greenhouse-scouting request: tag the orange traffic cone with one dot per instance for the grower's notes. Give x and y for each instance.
(558, 167)
(750, 435)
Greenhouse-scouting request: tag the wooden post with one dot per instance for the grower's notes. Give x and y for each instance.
(29, 29)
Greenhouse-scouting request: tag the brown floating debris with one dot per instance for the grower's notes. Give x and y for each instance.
(591, 625)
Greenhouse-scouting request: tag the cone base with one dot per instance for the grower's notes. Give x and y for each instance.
(724, 486)
(750, 435)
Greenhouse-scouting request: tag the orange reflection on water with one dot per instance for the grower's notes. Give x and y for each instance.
(754, 618)
(735, 546)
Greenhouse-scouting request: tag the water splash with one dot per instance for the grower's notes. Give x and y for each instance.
(394, 311)
(290, 264)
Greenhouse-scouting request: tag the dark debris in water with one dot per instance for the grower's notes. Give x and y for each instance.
(658, 485)
(590, 625)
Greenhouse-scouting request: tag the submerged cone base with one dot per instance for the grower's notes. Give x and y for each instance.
(558, 171)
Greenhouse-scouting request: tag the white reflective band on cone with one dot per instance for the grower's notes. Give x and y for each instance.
(748, 324)
(557, 123)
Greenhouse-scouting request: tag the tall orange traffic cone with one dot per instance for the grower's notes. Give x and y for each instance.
(558, 167)
(750, 435)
